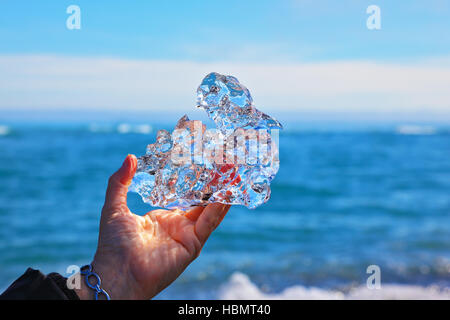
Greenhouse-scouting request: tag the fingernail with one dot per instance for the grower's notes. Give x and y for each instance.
(127, 161)
(125, 169)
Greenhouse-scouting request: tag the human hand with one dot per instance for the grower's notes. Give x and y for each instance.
(138, 256)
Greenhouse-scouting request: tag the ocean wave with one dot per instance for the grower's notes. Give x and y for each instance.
(128, 128)
(122, 128)
(93, 127)
(240, 287)
(403, 129)
(415, 130)
(4, 130)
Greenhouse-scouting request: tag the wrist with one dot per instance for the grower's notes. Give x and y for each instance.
(84, 292)
(108, 281)
(115, 279)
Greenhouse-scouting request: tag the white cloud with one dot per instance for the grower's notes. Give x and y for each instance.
(60, 82)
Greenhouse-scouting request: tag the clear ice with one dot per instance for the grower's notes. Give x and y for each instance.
(232, 164)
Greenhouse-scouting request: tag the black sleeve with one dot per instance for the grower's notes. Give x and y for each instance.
(34, 285)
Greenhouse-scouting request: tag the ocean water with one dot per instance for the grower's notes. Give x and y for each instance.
(343, 199)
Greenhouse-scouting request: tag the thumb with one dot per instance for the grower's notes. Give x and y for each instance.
(116, 193)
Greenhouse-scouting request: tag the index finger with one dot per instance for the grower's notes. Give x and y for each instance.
(209, 219)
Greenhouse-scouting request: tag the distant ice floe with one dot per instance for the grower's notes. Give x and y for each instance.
(4, 130)
(122, 128)
(239, 287)
(415, 130)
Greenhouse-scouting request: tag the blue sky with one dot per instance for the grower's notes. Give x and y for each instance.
(251, 39)
(298, 30)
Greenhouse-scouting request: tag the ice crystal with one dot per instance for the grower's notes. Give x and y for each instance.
(233, 164)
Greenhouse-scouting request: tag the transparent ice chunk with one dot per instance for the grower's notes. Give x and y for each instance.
(229, 104)
(232, 164)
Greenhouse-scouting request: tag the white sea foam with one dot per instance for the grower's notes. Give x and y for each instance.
(415, 130)
(4, 130)
(93, 127)
(128, 128)
(240, 287)
(121, 128)
(143, 128)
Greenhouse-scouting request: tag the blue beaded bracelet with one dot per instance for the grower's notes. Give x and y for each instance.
(87, 272)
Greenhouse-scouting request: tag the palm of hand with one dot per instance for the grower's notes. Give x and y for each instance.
(151, 251)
